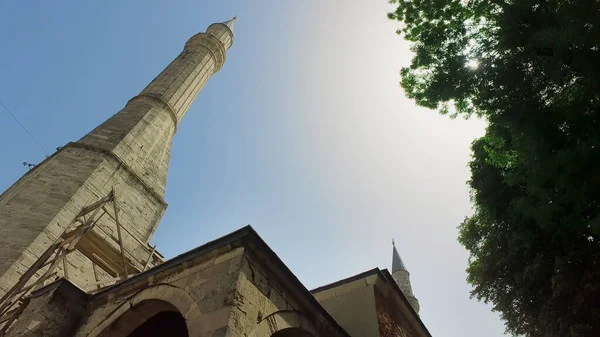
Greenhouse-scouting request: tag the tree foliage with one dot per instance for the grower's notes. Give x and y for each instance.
(531, 69)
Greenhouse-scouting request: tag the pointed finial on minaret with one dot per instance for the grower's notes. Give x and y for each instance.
(397, 263)
(223, 31)
(229, 23)
(402, 278)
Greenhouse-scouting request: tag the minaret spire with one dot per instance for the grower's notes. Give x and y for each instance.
(397, 263)
(229, 23)
(402, 278)
(129, 153)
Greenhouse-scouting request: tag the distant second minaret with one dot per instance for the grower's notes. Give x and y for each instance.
(402, 278)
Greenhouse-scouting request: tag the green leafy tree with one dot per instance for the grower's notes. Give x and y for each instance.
(531, 69)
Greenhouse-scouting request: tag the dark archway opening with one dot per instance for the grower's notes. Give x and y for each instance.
(163, 324)
(292, 332)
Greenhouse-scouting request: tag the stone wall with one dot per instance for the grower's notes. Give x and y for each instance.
(267, 301)
(141, 136)
(34, 214)
(54, 311)
(179, 83)
(257, 296)
(202, 290)
(226, 292)
(402, 279)
(34, 211)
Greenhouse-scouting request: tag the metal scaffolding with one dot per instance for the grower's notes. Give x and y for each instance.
(82, 235)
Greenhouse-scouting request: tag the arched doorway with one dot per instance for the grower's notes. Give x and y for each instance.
(163, 324)
(120, 320)
(149, 318)
(285, 323)
(292, 332)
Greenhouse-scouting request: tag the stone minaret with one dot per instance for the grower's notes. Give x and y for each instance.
(129, 152)
(402, 278)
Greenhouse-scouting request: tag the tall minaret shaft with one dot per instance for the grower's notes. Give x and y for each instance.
(141, 133)
(204, 54)
(402, 277)
(129, 153)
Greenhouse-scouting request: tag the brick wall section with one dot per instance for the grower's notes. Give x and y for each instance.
(392, 321)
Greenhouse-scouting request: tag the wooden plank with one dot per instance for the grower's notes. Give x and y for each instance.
(149, 258)
(66, 243)
(116, 208)
(73, 236)
(42, 279)
(105, 255)
(98, 284)
(8, 315)
(4, 301)
(127, 231)
(95, 274)
(97, 204)
(11, 319)
(106, 266)
(65, 268)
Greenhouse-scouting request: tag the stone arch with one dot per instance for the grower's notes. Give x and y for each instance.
(148, 318)
(144, 305)
(285, 323)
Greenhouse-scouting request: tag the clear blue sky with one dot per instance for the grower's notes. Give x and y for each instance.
(304, 133)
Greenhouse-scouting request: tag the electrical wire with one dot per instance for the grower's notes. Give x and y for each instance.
(24, 128)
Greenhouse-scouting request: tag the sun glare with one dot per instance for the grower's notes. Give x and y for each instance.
(472, 64)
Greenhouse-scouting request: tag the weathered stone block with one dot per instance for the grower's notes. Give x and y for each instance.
(52, 312)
